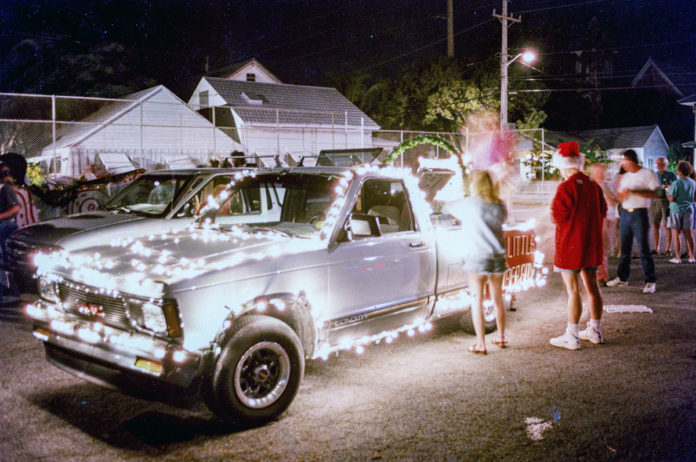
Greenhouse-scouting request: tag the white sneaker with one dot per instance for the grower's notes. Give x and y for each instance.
(567, 340)
(616, 282)
(591, 334)
(649, 288)
(675, 260)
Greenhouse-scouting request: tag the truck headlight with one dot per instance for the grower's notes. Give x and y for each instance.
(48, 290)
(160, 316)
(153, 317)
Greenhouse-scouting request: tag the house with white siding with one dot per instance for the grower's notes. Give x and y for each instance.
(647, 141)
(147, 129)
(271, 118)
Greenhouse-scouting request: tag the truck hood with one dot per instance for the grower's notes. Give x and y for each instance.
(61, 231)
(140, 267)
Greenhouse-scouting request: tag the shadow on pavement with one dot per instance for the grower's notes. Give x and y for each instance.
(107, 415)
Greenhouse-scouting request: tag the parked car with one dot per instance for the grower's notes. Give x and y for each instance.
(158, 201)
(357, 256)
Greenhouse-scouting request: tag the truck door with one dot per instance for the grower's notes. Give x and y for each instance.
(381, 277)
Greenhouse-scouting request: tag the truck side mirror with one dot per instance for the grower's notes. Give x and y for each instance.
(346, 232)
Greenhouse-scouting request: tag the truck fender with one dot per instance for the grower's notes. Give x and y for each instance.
(292, 309)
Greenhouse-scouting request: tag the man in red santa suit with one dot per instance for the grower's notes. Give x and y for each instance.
(578, 210)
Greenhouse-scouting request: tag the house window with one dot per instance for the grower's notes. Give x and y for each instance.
(251, 77)
(203, 98)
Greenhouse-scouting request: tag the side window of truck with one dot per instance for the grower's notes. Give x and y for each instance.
(386, 201)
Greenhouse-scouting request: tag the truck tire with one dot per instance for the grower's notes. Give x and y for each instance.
(467, 323)
(257, 373)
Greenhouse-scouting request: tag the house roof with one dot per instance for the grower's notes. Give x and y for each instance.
(688, 100)
(228, 71)
(256, 102)
(606, 138)
(651, 75)
(71, 134)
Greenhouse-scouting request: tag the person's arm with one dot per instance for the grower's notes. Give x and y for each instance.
(9, 213)
(561, 205)
(672, 192)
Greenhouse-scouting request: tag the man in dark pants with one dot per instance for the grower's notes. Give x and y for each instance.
(635, 189)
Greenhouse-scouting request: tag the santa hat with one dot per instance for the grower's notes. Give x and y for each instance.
(568, 156)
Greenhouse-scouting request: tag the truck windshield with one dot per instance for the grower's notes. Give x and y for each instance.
(304, 198)
(149, 195)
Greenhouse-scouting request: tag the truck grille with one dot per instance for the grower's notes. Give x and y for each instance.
(88, 303)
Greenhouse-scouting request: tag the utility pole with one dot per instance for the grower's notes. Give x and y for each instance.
(504, 18)
(450, 29)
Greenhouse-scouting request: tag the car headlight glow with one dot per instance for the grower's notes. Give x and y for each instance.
(153, 317)
(48, 290)
(161, 316)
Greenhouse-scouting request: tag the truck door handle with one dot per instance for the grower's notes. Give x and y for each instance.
(416, 244)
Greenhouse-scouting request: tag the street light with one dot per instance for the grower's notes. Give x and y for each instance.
(527, 56)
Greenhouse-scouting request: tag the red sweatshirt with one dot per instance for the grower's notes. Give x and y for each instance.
(578, 210)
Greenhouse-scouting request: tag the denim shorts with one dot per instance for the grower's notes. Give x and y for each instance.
(680, 221)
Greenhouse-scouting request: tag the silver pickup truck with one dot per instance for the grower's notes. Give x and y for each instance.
(357, 256)
(161, 200)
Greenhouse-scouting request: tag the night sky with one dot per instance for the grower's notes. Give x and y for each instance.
(54, 46)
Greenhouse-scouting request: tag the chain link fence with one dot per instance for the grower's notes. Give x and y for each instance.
(72, 137)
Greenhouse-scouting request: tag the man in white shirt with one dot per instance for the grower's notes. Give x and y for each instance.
(637, 186)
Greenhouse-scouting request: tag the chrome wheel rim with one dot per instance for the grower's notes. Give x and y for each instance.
(262, 374)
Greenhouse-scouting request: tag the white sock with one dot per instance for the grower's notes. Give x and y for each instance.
(573, 329)
(594, 323)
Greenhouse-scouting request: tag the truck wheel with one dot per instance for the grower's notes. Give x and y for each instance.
(257, 373)
(467, 322)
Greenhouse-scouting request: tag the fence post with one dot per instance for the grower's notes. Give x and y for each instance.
(333, 131)
(53, 124)
(214, 126)
(277, 131)
(362, 132)
(346, 128)
(402, 154)
(142, 147)
(543, 168)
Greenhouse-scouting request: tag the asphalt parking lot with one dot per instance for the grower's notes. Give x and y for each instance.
(421, 398)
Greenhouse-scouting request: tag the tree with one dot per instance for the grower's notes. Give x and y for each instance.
(404, 101)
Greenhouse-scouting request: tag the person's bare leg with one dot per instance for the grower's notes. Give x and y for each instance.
(574, 302)
(689, 240)
(677, 244)
(668, 237)
(589, 279)
(656, 237)
(495, 282)
(476, 284)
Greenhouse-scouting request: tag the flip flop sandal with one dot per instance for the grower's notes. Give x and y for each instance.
(500, 343)
(475, 349)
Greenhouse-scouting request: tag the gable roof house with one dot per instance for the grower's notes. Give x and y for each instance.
(647, 141)
(691, 102)
(270, 118)
(652, 76)
(149, 128)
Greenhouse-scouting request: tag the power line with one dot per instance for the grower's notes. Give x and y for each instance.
(549, 90)
(423, 47)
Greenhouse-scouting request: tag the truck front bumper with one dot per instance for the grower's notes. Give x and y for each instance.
(109, 356)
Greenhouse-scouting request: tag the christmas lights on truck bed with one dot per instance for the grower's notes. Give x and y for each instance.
(233, 311)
